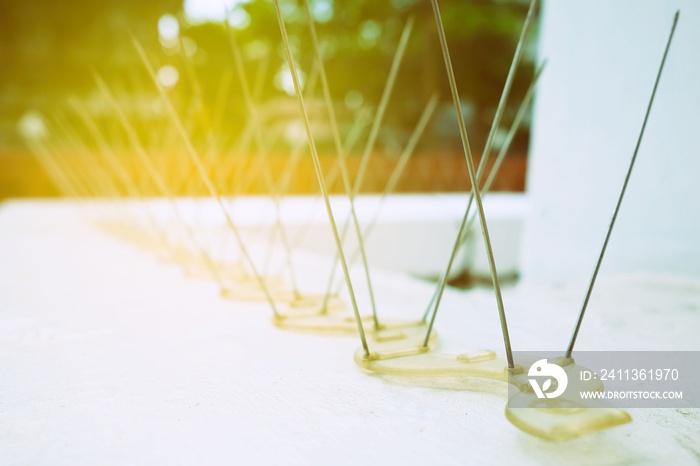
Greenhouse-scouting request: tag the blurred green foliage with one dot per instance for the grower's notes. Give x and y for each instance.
(48, 49)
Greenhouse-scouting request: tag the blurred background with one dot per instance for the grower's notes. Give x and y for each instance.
(51, 53)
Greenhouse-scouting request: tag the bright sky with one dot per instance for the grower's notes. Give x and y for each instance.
(210, 10)
(215, 10)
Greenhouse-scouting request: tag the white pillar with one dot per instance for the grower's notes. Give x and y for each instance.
(602, 61)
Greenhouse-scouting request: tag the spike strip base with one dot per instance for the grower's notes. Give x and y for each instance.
(554, 419)
(347, 324)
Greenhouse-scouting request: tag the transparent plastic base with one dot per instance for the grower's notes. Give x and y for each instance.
(141, 240)
(423, 362)
(177, 255)
(231, 270)
(233, 273)
(347, 324)
(561, 419)
(289, 304)
(390, 340)
(550, 419)
(309, 305)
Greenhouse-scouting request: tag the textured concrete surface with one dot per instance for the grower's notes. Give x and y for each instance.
(108, 356)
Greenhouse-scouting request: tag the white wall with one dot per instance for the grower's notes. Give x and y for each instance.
(602, 61)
